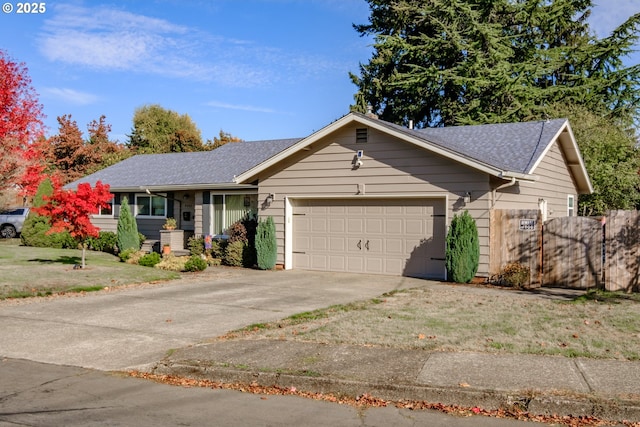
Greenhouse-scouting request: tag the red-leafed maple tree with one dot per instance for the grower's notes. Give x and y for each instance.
(71, 210)
(20, 122)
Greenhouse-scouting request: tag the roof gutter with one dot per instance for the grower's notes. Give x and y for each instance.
(183, 187)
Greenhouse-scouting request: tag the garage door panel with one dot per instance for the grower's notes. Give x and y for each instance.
(373, 226)
(393, 226)
(414, 227)
(319, 225)
(337, 263)
(355, 225)
(319, 244)
(382, 236)
(337, 225)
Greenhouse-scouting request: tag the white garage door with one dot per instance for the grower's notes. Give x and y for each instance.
(381, 236)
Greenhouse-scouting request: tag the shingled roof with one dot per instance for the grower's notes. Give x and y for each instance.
(180, 170)
(507, 151)
(511, 147)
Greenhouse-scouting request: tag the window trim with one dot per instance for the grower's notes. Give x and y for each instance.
(162, 196)
(112, 202)
(571, 205)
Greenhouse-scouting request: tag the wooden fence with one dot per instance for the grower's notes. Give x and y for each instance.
(571, 252)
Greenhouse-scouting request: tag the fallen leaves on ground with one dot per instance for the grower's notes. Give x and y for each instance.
(367, 401)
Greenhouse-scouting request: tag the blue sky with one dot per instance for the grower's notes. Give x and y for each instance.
(258, 69)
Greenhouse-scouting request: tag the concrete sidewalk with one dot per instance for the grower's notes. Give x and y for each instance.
(606, 389)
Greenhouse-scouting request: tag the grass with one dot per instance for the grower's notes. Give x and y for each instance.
(27, 272)
(467, 318)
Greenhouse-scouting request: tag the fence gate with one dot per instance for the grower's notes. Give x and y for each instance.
(622, 265)
(515, 236)
(572, 253)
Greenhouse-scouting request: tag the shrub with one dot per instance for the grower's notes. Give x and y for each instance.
(266, 244)
(196, 245)
(35, 227)
(195, 263)
(134, 258)
(128, 236)
(218, 248)
(149, 260)
(106, 242)
(237, 232)
(141, 239)
(516, 275)
(463, 249)
(34, 233)
(171, 262)
(234, 253)
(126, 254)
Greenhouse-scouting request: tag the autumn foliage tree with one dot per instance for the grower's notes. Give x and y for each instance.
(20, 122)
(71, 210)
(72, 157)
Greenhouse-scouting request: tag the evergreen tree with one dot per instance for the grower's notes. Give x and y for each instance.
(35, 227)
(451, 62)
(266, 244)
(463, 249)
(127, 228)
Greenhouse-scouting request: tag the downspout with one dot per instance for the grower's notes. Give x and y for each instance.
(507, 185)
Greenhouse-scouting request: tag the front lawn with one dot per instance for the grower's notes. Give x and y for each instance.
(27, 271)
(480, 319)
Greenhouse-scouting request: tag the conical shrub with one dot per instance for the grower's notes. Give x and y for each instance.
(127, 228)
(266, 244)
(463, 249)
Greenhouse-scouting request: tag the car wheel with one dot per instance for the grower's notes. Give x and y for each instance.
(8, 232)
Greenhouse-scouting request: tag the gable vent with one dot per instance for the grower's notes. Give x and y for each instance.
(362, 135)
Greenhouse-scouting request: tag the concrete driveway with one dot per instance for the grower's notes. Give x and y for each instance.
(125, 328)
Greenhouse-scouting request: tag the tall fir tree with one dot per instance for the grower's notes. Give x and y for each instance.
(451, 62)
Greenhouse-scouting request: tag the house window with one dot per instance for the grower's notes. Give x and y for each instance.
(151, 206)
(362, 135)
(108, 211)
(570, 205)
(230, 208)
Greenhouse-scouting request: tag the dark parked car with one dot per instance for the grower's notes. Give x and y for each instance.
(11, 221)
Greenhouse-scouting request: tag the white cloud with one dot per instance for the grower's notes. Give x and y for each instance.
(108, 39)
(70, 96)
(227, 106)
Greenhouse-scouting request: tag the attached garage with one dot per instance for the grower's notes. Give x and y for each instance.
(395, 236)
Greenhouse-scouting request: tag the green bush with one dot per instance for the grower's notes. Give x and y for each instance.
(463, 249)
(196, 245)
(35, 227)
(34, 233)
(127, 253)
(128, 236)
(195, 263)
(234, 254)
(218, 247)
(266, 244)
(106, 242)
(150, 260)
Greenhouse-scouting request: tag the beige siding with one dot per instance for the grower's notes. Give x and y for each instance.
(391, 167)
(105, 223)
(554, 185)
